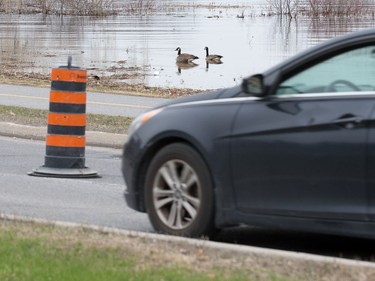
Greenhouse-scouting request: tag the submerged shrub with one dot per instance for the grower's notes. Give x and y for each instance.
(321, 7)
(60, 7)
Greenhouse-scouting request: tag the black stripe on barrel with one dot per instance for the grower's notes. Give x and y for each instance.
(67, 107)
(66, 130)
(67, 119)
(68, 86)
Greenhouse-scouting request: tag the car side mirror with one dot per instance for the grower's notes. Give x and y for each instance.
(253, 85)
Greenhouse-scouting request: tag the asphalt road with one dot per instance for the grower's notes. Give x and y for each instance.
(98, 103)
(97, 201)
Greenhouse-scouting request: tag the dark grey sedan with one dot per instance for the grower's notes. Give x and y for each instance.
(292, 148)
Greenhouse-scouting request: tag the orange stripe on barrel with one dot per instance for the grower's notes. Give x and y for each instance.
(64, 119)
(69, 75)
(67, 97)
(65, 141)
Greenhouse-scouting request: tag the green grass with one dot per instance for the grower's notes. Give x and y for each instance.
(38, 117)
(44, 257)
(34, 259)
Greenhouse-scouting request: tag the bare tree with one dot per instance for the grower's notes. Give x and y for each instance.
(60, 7)
(326, 8)
(140, 6)
(284, 7)
(339, 7)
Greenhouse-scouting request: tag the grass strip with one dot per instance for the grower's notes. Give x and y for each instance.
(34, 251)
(38, 117)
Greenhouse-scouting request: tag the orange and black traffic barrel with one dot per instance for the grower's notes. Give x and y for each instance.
(66, 141)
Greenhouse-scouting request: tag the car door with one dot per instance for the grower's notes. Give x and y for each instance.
(371, 170)
(301, 152)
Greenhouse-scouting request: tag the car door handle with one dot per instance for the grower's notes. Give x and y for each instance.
(348, 121)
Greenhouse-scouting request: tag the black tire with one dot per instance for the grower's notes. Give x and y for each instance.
(179, 193)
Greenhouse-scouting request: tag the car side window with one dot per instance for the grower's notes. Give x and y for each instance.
(351, 71)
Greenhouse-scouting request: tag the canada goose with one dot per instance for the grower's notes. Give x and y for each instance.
(212, 58)
(184, 57)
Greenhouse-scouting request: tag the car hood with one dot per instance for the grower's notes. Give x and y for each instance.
(217, 94)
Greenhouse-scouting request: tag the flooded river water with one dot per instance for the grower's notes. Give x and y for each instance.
(146, 44)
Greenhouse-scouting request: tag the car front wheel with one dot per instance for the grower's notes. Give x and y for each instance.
(179, 192)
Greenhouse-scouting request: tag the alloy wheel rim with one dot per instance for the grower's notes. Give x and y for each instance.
(177, 194)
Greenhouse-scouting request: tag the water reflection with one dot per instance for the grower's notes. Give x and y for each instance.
(212, 62)
(185, 65)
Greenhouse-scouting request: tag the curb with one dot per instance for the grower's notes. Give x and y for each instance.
(93, 138)
(201, 243)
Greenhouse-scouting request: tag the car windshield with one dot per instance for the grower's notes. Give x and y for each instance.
(350, 71)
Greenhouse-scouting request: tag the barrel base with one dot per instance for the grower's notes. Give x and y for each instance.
(44, 171)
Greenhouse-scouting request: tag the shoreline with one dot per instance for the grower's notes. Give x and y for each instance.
(107, 84)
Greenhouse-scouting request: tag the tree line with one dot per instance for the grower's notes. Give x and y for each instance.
(291, 8)
(76, 7)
